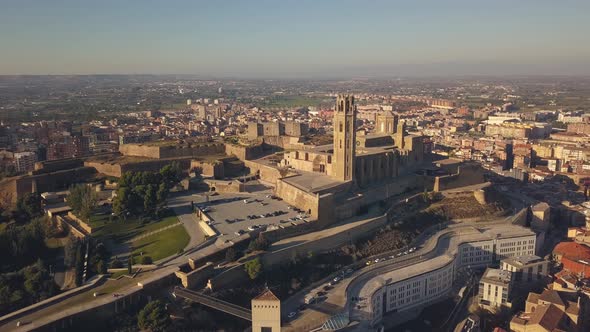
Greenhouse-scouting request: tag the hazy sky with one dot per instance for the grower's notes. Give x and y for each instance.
(295, 38)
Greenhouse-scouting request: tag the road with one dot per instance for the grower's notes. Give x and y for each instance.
(339, 298)
(181, 205)
(85, 300)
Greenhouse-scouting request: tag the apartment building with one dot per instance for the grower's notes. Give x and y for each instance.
(495, 288)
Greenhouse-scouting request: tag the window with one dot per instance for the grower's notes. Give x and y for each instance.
(266, 329)
(341, 127)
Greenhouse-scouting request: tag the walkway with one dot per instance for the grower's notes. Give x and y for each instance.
(153, 232)
(228, 308)
(182, 208)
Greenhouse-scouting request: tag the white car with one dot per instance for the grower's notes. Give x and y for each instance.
(253, 227)
(336, 279)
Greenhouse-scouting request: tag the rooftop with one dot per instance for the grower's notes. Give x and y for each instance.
(522, 260)
(312, 182)
(496, 276)
(445, 250)
(267, 295)
(572, 250)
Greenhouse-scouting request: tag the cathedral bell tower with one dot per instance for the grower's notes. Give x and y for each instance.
(344, 138)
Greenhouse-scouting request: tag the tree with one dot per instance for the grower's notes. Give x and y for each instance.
(22, 245)
(150, 198)
(82, 199)
(29, 206)
(171, 174)
(129, 266)
(101, 267)
(116, 264)
(253, 268)
(70, 250)
(260, 243)
(121, 200)
(153, 317)
(230, 255)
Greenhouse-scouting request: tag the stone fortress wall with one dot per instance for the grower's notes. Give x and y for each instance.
(467, 174)
(171, 151)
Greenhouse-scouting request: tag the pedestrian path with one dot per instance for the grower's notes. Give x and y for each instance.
(154, 232)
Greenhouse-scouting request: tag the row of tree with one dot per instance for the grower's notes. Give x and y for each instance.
(28, 285)
(75, 253)
(22, 245)
(144, 193)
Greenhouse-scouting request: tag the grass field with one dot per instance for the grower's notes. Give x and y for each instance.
(162, 244)
(124, 230)
(117, 274)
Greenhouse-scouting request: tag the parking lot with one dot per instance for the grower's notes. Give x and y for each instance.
(243, 212)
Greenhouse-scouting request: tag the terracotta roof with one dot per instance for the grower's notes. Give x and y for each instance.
(548, 316)
(572, 250)
(572, 308)
(267, 295)
(551, 296)
(533, 298)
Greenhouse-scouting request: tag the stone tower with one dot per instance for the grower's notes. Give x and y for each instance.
(399, 135)
(266, 313)
(386, 123)
(344, 138)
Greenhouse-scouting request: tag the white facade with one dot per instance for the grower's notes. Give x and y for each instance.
(519, 246)
(526, 268)
(494, 288)
(401, 294)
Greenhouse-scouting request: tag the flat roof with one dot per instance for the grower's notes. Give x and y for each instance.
(312, 182)
(522, 260)
(496, 276)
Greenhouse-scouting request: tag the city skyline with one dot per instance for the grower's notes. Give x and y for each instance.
(295, 39)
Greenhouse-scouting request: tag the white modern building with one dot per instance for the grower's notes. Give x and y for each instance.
(429, 278)
(526, 268)
(495, 288)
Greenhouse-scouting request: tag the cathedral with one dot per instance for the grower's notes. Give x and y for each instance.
(357, 156)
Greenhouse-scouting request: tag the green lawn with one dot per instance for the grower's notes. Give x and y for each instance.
(117, 274)
(161, 245)
(124, 230)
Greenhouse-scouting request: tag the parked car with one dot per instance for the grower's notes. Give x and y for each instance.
(239, 232)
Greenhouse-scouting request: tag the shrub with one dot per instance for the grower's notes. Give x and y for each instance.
(116, 264)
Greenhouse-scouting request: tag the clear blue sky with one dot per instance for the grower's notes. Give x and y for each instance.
(295, 38)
